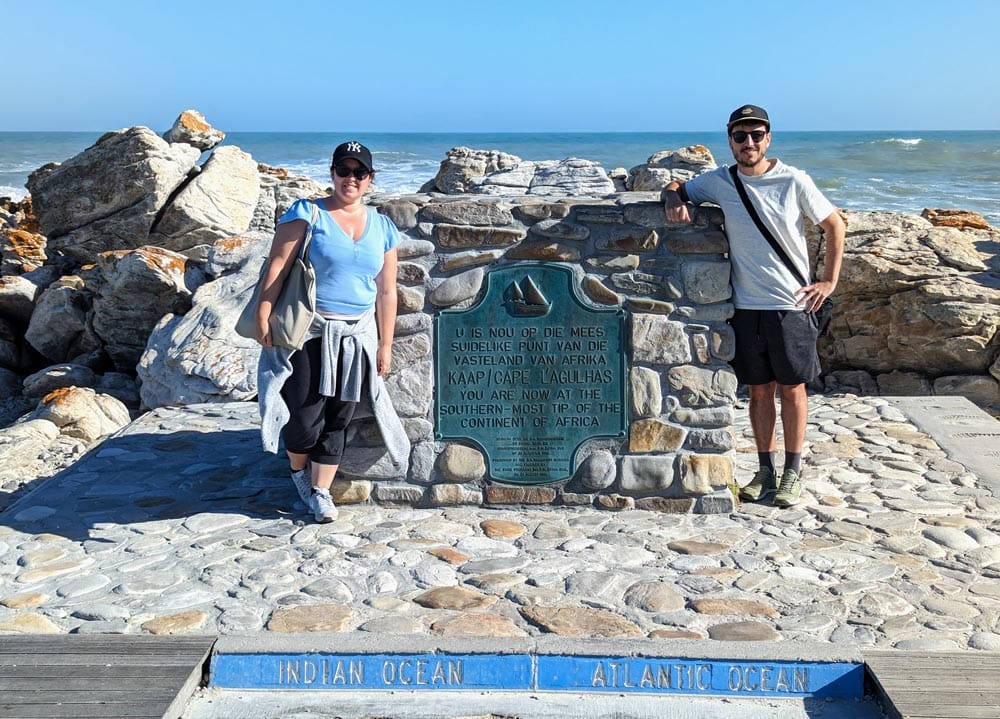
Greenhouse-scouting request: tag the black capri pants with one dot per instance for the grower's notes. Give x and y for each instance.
(318, 424)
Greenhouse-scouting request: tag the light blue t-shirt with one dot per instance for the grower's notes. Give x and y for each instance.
(782, 196)
(345, 269)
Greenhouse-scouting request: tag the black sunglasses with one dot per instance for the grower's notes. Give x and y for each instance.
(740, 136)
(360, 173)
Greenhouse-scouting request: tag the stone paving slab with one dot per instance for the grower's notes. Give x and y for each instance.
(968, 434)
(180, 524)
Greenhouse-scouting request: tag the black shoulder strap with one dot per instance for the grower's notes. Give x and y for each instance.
(752, 211)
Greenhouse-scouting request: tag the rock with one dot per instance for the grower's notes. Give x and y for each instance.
(462, 164)
(984, 390)
(598, 471)
(219, 202)
(743, 632)
(192, 128)
(311, 618)
(915, 300)
(82, 413)
(138, 289)
(664, 167)
(510, 181)
(19, 293)
(454, 598)
(12, 350)
(745, 607)
(580, 622)
(477, 625)
(29, 623)
(278, 192)
(60, 328)
(108, 196)
(176, 623)
(198, 357)
(41, 383)
(500, 528)
(959, 219)
(573, 177)
(21, 251)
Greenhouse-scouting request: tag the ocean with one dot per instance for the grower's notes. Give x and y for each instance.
(901, 171)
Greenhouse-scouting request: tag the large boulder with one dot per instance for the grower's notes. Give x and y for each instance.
(217, 203)
(108, 196)
(137, 289)
(82, 413)
(18, 293)
(668, 166)
(913, 297)
(198, 357)
(60, 328)
(571, 177)
(463, 164)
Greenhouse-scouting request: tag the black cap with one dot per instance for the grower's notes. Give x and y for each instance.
(749, 113)
(353, 150)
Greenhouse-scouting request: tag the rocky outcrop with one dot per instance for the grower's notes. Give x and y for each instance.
(109, 196)
(88, 278)
(915, 298)
(219, 202)
(668, 166)
(491, 172)
(463, 164)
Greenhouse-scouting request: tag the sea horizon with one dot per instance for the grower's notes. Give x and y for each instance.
(881, 170)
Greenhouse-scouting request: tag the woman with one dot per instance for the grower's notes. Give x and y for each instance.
(310, 396)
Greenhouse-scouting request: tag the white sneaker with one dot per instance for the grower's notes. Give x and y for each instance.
(322, 506)
(303, 484)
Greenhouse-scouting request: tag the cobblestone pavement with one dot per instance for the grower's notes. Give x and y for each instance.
(182, 524)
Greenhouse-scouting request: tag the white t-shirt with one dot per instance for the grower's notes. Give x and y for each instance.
(782, 196)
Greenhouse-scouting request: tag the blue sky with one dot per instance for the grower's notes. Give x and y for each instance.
(500, 65)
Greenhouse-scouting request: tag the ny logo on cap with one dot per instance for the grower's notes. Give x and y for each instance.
(746, 110)
(354, 147)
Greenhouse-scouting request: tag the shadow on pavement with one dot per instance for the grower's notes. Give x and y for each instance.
(146, 477)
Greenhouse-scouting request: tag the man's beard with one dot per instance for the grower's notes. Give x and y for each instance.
(742, 162)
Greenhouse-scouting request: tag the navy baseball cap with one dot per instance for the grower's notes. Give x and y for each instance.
(749, 113)
(353, 150)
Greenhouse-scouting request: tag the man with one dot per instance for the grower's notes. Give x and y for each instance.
(774, 322)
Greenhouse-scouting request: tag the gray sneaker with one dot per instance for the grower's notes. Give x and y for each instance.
(789, 489)
(303, 484)
(762, 485)
(322, 506)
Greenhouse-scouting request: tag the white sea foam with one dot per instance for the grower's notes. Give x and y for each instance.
(15, 193)
(901, 141)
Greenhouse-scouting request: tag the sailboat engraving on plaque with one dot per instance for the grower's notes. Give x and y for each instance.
(526, 300)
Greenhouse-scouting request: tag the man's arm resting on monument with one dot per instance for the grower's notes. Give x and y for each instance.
(812, 296)
(675, 200)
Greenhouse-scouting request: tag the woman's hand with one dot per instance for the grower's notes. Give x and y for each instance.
(262, 332)
(383, 359)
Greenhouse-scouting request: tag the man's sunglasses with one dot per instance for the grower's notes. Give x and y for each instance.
(360, 173)
(740, 136)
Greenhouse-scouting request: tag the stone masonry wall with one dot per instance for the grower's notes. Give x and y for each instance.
(671, 281)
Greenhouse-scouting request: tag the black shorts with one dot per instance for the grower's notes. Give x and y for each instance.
(775, 346)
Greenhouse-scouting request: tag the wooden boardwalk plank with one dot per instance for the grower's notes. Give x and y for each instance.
(936, 685)
(99, 676)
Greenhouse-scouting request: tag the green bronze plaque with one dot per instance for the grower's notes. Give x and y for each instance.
(530, 373)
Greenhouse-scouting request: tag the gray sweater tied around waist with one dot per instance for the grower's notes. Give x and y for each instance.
(350, 348)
